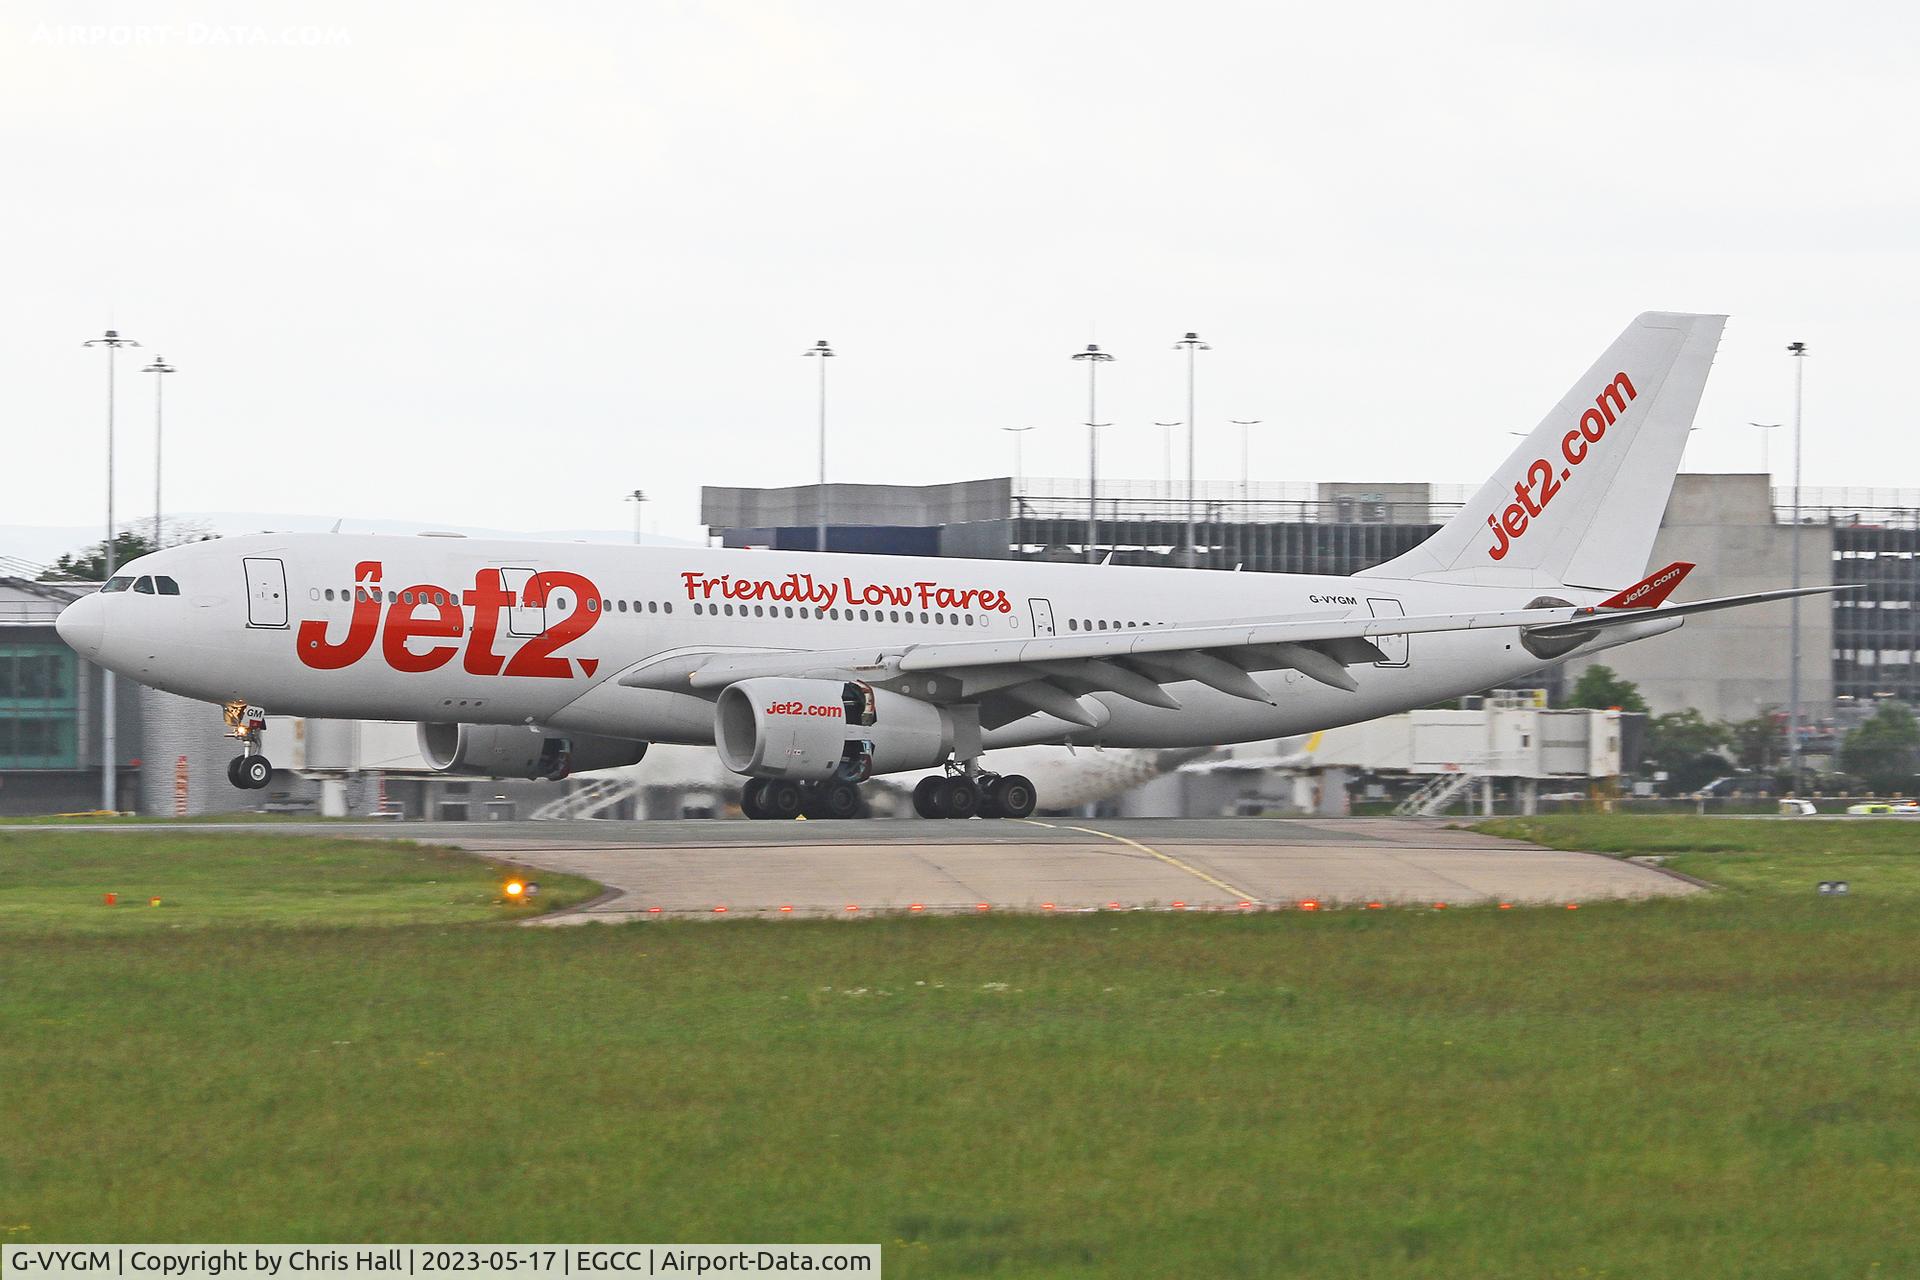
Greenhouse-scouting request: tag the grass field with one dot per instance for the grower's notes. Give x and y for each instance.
(1719, 1086)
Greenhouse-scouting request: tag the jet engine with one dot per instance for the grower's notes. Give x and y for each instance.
(521, 751)
(811, 730)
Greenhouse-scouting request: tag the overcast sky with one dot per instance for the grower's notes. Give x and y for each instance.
(501, 265)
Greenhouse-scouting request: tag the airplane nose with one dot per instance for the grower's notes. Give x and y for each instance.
(83, 625)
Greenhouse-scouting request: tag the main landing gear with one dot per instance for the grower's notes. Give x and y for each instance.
(250, 770)
(781, 799)
(960, 794)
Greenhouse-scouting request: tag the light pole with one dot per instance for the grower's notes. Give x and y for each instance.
(822, 352)
(109, 749)
(1798, 350)
(1166, 456)
(158, 368)
(1246, 426)
(1016, 433)
(1192, 343)
(639, 500)
(1094, 357)
(1766, 466)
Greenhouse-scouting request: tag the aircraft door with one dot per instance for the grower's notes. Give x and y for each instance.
(266, 592)
(1395, 647)
(1042, 616)
(522, 619)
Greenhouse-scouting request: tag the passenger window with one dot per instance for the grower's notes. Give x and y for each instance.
(593, 605)
(665, 608)
(329, 595)
(653, 606)
(1073, 624)
(144, 586)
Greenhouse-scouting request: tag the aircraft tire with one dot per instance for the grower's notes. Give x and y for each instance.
(751, 802)
(961, 797)
(837, 798)
(929, 800)
(233, 772)
(1014, 797)
(255, 772)
(782, 799)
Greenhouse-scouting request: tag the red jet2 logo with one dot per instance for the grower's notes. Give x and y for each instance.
(432, 615)
(1537, 490)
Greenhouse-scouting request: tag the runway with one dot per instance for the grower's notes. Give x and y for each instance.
(710, 869)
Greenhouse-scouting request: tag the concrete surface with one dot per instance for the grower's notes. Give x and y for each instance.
(692, 868)
(822, 868)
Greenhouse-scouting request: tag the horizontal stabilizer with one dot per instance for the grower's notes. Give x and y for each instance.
(1652, 590)
(1586, 620)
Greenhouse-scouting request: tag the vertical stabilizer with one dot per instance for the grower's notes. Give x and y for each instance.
(1578, 503)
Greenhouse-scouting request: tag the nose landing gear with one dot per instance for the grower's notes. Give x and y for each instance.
(250, 770)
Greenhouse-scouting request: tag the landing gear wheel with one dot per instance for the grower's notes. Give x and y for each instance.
(783, 800)
(837, 799)
(1014, 796)
(929, 798)
(961, 797)
(752, 798)
(255, 772)
(233, 772)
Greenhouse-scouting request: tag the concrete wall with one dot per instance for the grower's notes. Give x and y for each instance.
(1732, 665)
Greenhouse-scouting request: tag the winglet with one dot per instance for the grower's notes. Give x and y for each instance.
(1652, 591)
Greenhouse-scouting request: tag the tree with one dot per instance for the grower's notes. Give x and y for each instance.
(1756, 742)
(90, 564)
(1600, 689)
(1885, 750)
(1686, 745)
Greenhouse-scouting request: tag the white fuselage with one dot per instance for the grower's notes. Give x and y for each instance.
(446, 629)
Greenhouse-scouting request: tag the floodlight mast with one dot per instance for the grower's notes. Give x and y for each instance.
(1094, 357)
(1192, 343)
(109, 748)
(822, 352)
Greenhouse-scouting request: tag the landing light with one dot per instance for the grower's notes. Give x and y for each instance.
(516, 890)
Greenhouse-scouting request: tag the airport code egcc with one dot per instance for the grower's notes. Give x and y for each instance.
(357, 1261)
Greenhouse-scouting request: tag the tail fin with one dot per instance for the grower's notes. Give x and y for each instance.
(1579, 502)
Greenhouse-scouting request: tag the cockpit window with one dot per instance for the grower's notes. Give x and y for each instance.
(144, 586)
(167, 586)
(117, 584)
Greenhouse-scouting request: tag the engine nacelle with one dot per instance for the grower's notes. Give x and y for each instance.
(810, 730)
(521, 751)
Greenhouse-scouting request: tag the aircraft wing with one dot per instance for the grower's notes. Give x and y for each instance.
(1050, 674)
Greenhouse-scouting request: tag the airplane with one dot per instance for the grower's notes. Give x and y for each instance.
(812, 672)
